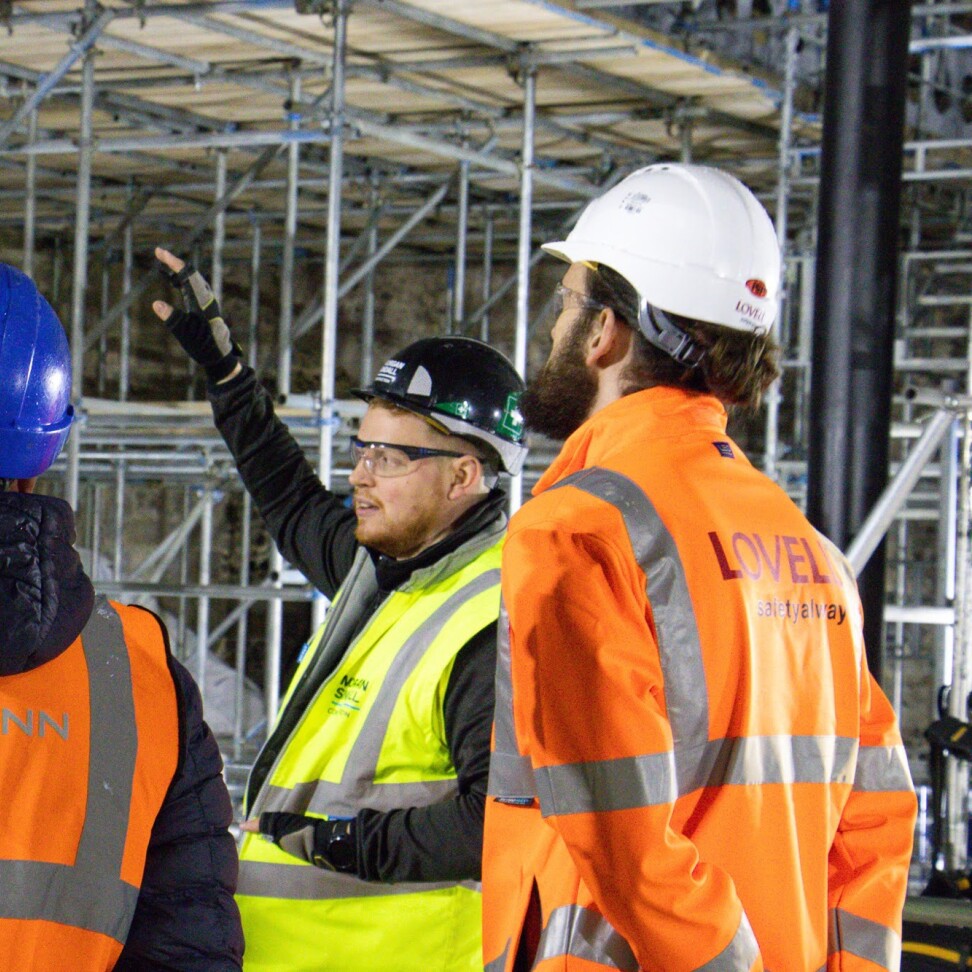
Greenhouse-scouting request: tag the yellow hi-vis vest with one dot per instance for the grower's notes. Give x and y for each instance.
(373, 736)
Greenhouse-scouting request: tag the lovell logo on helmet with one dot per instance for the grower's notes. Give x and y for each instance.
(752, 314)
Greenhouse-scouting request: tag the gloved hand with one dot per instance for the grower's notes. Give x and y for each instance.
(329, 844)
(200, 328)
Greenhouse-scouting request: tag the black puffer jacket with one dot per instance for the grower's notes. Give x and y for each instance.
(186, 918)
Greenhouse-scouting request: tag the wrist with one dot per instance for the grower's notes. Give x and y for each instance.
(336, 846)
(237, 368)
(223, 370)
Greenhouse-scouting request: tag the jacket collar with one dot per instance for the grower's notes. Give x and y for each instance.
(628, 423)
(45, 595)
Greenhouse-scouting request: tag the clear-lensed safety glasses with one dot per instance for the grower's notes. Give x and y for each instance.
(569, 297)
(390, 459)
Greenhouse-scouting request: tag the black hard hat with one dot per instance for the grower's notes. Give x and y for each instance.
(462, 385)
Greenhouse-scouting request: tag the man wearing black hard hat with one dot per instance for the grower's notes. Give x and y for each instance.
(371, 786)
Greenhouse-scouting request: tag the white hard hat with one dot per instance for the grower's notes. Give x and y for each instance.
(691, 240)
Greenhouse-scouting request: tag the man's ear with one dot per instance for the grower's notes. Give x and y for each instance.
(467, 474)
(608, 341)
(24, 485)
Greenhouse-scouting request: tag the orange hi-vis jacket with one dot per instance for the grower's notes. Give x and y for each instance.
(88, 747)
(692, 768)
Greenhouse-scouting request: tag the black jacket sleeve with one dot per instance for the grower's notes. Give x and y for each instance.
(444, 841)
(312, 527)
(186, 919)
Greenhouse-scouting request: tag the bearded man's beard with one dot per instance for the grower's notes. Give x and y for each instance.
(559, 400)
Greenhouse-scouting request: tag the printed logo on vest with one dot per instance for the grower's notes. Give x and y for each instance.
(348, 696)
(780, 559)
(775, 557)
(724, 450)
(33, 723)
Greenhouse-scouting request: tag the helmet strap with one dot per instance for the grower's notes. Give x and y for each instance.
(435, 424)
(663, 333)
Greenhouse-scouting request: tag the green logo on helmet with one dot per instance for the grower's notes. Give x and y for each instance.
(511, 424)
(460, 409)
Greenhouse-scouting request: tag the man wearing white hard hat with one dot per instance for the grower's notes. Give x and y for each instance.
(692, 767)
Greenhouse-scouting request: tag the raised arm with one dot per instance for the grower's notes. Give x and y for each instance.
(310, 525)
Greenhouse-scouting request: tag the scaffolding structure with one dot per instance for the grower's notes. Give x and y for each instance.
(297, 153)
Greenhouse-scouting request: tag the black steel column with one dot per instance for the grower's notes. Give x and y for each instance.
(856, 274)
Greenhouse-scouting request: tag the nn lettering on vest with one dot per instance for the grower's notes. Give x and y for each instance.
(33, 723)
(776, 557)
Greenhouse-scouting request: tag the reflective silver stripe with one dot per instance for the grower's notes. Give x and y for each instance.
(609, 784)
(739, 954)
(586, 935)
(90, 894)
(387, 796)
(498, 964)
(307, 883)
(357, 788)
(510, 776)
(510, 772)
(644, 781)
(864, 939)
(783, 759)
(882, 769)
(36, 891)
(686, 694)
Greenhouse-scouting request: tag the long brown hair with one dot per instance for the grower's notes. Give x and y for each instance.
(737, 366)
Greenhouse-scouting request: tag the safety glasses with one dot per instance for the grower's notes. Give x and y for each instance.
(389, 459)
(569, 297)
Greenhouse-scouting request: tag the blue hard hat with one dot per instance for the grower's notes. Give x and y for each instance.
(35, 379)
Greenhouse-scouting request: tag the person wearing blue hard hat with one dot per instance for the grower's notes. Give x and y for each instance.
(114, 847)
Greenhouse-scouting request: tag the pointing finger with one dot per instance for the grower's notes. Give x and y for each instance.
(163, 311)
(169, 259)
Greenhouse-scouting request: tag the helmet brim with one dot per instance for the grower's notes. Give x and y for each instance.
(30, 452)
